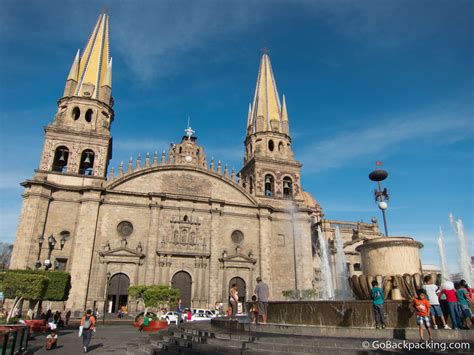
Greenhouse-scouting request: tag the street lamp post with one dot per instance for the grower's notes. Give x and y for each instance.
(106, 300)
(51, 244)
(381, 195)
(40, 244)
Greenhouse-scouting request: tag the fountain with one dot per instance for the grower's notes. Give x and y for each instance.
(463, 246)
(442, 256)
(343, 290)
(326, 272)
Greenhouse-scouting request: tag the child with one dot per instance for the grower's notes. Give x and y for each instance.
(254, 310)
(463, 302)
(435, 309)
(422, 308)
(452, 302)
(51, 340)
(377, 296)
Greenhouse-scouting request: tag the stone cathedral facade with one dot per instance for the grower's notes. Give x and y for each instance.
(176, 218)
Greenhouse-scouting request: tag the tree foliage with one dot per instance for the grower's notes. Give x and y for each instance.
(25, 285)
(57, 286)
(155, 295)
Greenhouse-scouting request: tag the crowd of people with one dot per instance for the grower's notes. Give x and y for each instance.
(451, 301)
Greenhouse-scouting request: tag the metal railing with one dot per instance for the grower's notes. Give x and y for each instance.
(14, 339)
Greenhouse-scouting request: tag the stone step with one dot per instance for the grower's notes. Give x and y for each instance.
(238, 344)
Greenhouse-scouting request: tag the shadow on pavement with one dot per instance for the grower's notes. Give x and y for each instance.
(95, 346)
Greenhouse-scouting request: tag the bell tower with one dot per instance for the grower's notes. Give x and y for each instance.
(78, 142)
(270, 170)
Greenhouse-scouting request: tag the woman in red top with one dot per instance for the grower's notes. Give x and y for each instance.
(452, 301)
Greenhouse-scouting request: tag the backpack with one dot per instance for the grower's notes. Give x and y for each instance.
(87, 323)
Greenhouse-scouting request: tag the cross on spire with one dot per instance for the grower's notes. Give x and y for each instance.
(189, 131)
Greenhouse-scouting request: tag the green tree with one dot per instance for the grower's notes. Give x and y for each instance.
(28, 285)
(58, 287)
(22, 285)
(155, 295)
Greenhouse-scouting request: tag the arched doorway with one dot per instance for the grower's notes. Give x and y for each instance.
(182, 281)
(118, 292)
(241, 287)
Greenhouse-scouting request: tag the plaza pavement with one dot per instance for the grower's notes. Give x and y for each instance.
(108, 339)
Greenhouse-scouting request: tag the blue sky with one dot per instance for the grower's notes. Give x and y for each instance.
(364, 81)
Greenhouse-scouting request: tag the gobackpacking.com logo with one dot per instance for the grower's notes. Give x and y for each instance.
(408, 345)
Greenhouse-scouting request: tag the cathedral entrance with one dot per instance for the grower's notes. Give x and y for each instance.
(118, 292)
(182, 281)
(241, 287)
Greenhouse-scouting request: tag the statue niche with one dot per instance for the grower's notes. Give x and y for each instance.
(184, 232)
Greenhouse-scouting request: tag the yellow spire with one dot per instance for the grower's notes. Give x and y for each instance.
(266, 103)
(95, 67)
(284, 113)
(108, 75)
(74, 72)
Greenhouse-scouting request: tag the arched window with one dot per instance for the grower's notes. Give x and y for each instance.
(269, 185)
(61, 157)
(88, 116)
(287, 187)
(86, 166)
(271, 145)
(251, 184)
(76, 113)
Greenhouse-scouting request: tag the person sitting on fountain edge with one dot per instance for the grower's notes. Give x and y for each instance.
(422, 308)
(377, 297)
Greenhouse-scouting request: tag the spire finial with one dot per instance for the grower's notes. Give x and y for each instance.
(189, 131)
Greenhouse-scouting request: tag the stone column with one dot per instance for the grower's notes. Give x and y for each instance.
(203, 296)
(197, 282)
(85, 242)
(224, 291)
(304, 258)
(152, 243)
(265, 247)
(159, 274)
(215, 290)
(168, 260)
(34, 212)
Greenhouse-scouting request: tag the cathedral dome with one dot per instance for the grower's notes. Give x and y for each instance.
(310, 201)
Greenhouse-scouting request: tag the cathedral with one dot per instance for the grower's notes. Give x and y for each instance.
(174, 218)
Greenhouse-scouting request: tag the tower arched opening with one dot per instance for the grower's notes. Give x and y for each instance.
(269, 185)
(287, 187)
(86, 166)
(61, 157)
(88, 115)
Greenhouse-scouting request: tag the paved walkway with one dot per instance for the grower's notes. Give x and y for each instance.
(108, 339)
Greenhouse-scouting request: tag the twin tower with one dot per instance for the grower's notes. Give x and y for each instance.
(177, 222)
(78, 144)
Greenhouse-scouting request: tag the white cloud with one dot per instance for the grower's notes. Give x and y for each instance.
(385, 135)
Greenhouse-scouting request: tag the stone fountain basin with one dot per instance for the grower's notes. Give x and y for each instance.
(351, 313)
